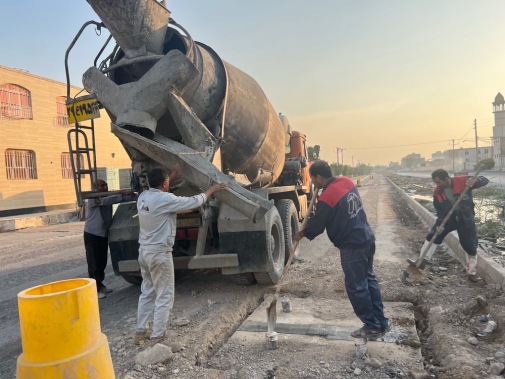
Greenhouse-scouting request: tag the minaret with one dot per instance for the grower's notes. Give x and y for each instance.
(499, 131)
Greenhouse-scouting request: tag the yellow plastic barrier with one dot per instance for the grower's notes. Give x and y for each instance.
(60, 332)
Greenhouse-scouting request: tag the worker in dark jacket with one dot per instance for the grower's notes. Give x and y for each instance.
(340, 211)
(446, 193)
(96, 228)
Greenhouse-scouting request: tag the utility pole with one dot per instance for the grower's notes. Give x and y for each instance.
(341, 155)
(476, 143)
(453, 158)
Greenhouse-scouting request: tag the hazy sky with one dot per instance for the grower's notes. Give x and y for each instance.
(380, 79)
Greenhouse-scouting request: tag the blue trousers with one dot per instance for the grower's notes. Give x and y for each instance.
(362, 286)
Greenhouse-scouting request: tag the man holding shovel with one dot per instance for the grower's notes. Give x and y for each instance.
(445, 195)
(340, 211)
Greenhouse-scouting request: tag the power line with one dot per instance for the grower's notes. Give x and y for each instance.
(470, 130)
(387, 147)
(462, 139)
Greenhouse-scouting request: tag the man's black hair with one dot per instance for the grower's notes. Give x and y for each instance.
(156, 177)
(95, 184)
(320, 168)
(439, 174)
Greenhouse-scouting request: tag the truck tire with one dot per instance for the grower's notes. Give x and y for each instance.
(290, 225)
(132, 279)
(245, 279)
(275, 249)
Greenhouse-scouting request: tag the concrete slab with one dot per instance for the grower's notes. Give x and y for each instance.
(324, 326)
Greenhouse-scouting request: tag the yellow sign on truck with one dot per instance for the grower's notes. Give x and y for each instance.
(82, 109)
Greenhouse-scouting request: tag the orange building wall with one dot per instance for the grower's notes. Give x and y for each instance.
(49, 190)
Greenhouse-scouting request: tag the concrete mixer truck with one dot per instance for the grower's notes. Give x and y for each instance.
(171, 101)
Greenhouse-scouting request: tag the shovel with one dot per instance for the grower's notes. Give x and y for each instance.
(272, 307)
(414, 265)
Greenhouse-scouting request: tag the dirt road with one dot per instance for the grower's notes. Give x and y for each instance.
(209, 308)
(36, 256)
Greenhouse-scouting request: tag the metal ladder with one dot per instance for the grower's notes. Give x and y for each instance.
(78, 146)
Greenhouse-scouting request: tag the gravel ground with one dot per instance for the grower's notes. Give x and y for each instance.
(450, 314)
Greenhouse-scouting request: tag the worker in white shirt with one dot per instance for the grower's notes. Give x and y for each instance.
(157, 210)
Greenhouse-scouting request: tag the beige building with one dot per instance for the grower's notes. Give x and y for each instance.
(35, 170)
(499, 131)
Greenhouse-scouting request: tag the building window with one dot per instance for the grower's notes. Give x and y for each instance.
(61, 118)
(66, 165)
(15, 102)
(20, 164)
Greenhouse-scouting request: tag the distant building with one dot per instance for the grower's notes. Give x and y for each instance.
(35, 170)
(437, 156)
(413, 161)
(462, 159)
(394, 164)
(468, 156)
(499, 131)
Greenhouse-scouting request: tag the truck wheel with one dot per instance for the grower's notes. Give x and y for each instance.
(132, 279)
(245, 279)
(290, 224)
(274, 249)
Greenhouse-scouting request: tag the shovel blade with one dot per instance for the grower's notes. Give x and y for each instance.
(418, 263)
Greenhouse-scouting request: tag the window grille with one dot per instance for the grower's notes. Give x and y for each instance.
(66, 165)
(20, 164)
(61, 118)
(15, 102)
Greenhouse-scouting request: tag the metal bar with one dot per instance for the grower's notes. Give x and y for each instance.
(202, 236)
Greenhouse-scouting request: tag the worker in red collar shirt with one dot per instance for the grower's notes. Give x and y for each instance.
(446, 193)
(340, 212)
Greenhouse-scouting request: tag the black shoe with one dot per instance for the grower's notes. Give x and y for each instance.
(474, 278)
(386, 329)
(365, 332)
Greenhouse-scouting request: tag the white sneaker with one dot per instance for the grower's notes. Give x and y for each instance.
(104, 289)
(101, 295)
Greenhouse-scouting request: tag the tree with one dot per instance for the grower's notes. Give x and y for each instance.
(313, 152)
(486, 164)
(361, 169)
